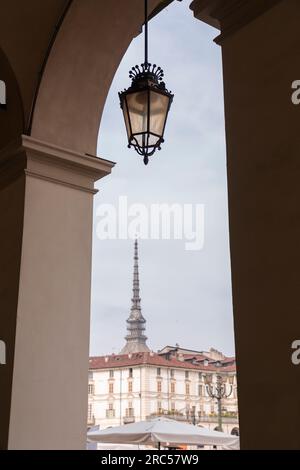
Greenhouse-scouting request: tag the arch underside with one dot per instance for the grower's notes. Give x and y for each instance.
(64, 71)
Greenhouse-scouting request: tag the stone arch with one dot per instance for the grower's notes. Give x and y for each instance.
(87, 51)
(235, 431)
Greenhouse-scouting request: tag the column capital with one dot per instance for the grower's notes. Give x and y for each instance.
(229, 15)
(49, 162)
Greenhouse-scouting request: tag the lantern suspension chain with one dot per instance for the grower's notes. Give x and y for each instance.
(146, 32)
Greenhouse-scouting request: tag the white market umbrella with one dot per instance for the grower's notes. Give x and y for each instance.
(163, 430)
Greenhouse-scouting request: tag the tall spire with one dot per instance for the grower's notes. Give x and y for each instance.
(135, 339)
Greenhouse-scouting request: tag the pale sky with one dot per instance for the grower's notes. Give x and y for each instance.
(186, 295)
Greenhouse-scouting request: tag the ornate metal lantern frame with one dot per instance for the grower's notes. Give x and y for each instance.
(145, 105)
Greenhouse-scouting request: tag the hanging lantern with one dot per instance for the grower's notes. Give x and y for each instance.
(146, 105)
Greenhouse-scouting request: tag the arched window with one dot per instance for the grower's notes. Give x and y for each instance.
(235, 432)
(2, 94)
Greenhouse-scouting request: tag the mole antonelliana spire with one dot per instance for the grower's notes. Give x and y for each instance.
(135, 339)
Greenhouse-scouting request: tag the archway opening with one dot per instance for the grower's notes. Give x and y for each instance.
(184, 280)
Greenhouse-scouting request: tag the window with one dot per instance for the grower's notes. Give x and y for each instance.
(111, 388)
(90, 411)
(159, 407)
(159, 386)
(130, 386)
(129, 413)
(130, 372)
(91, 389)
(187, 389)
(200, 390)
(172, 373)
(2, 94)
(130, 410)
(186, 374)
(172, 387)
(111, 374)
(200, 375)
(172, 406)
(158, 371)
(110, 413)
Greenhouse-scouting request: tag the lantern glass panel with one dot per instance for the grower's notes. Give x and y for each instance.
(126, 118)
(138, 113)
(159, 106)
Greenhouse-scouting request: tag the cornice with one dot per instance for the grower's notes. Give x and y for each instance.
(230, 15)
(34, 158)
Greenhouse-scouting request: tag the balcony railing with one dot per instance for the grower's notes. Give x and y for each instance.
(190, 418)
(128, 419)
(170, 414)
(214, 419)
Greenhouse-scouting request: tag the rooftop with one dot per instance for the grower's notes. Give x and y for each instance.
(184, 361)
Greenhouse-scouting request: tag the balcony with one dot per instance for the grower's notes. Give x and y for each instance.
(128, 419)
(168, 414)
(214, 419)
(190, 418)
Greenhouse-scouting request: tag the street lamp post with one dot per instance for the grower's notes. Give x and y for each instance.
(218, 392)
(194, 417)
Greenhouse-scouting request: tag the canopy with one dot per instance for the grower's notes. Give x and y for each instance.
(163, 430)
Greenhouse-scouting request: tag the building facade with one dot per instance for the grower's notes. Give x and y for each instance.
(138, 384)
(133, 387)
